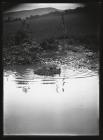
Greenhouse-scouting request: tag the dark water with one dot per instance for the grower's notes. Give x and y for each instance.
(63, 104)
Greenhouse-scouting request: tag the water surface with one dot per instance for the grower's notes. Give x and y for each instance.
(66, 104)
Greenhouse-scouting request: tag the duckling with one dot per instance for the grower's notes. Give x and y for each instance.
(55, 70)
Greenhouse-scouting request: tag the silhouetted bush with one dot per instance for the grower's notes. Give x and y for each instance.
(49, 44)
(20, 37)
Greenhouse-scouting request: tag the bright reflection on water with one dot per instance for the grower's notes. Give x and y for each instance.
(63, 104)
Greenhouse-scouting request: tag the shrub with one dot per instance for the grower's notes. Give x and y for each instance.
(49, 44)
(20, 37)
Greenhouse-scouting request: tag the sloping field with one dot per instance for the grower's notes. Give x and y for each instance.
(78, 25)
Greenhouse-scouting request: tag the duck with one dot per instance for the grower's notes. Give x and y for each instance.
(48, 70)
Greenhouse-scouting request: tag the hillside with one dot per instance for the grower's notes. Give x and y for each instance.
(25, 41)
(27, 13)
(78, 25)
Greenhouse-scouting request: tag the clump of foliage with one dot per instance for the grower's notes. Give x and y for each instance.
(23, 53)
(20, 37)
(20, 48)
(49, 44)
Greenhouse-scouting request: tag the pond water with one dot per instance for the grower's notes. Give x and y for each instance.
(65, 104)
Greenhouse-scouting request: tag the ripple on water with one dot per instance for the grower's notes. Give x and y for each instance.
(66, 72)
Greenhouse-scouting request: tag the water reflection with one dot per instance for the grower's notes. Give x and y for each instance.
(60, 85)
(24, 75)
(63, 104)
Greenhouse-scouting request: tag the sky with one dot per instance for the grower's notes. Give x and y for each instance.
(60, 6)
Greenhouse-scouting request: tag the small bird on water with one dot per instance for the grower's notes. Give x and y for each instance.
(48, 70)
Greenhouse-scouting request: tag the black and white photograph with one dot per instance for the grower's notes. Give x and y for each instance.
(51, 69)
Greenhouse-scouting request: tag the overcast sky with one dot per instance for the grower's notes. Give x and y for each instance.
(29, 6)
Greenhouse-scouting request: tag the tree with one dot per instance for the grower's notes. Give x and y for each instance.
(64, 29)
